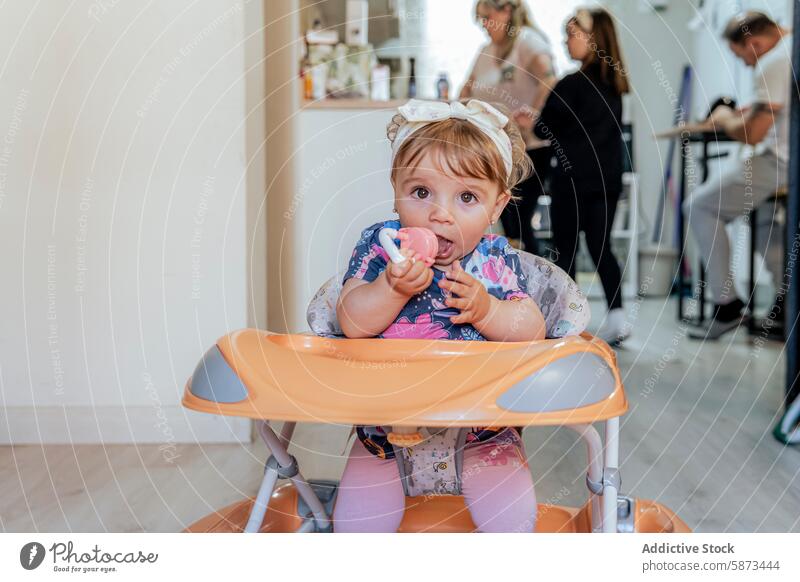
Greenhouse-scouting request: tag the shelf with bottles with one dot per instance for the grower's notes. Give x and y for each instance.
(339, 71)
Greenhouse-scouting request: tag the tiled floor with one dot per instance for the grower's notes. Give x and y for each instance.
(697, 438)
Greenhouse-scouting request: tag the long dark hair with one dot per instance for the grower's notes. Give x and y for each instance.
(603, 47)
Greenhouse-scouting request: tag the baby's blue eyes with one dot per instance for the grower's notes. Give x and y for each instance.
(423, 193)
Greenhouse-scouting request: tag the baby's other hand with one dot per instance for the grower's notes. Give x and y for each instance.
(411, 276)
(469, 296)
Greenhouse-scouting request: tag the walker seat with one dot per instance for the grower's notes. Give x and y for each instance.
(571, 380)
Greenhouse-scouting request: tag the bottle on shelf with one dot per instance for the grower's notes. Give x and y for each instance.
(379, 83)
(443, 87)
(412, 80)
(308, 83)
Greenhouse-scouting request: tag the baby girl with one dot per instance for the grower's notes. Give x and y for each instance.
(454, 166)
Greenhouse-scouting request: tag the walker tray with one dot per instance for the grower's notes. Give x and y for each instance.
(572, 381)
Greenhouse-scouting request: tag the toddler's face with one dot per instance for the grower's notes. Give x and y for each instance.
(457, 209)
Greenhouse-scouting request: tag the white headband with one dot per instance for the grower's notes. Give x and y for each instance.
(489, 120)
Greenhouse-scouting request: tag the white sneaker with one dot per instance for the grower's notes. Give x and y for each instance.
(615, 328)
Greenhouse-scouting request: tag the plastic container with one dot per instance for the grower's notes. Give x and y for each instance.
(657, 271)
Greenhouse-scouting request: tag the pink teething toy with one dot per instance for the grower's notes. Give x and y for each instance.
(422, 242)
(418, 239)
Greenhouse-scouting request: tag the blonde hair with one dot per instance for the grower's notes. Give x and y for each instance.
(520, 18)
(464, 149)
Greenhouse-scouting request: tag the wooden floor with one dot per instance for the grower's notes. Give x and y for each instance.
(697, 438)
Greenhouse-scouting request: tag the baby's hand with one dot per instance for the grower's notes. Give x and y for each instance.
(409, 277)
(471, 299)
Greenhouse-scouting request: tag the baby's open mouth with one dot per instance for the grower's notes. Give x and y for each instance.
(445, 247)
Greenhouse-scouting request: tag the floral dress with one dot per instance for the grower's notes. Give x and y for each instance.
(493, 262)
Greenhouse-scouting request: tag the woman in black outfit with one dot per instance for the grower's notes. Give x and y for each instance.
(582, 118)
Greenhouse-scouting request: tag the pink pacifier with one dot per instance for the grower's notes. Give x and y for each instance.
(421, 241)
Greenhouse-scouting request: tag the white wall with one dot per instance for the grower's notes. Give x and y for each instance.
(343, 165)
(255, 157)
(122, 214)
(655, 46)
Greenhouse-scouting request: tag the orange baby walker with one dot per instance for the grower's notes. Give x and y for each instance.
(571, 380)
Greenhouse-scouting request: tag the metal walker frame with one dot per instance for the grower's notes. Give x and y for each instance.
(602, 477)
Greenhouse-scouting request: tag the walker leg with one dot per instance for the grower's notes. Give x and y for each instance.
(262, 500)
(610, 509)
(594, 473)
(611, 479)
(281, 459)
(287, 430)
(307, 527)
(268, 482)
(308, 495)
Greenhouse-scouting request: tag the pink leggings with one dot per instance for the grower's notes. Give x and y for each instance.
(496, 483)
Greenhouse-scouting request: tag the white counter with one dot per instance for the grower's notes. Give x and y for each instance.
(342, 173)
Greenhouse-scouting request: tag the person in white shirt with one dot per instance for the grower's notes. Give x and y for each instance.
(766, 47)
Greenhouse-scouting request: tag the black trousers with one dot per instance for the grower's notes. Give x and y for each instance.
(594, 215)
(517, 215)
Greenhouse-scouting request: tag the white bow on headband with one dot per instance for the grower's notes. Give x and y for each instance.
(488, 119)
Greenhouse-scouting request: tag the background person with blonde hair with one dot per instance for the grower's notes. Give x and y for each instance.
(515, 69)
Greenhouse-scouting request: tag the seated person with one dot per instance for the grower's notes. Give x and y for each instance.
(766, 47)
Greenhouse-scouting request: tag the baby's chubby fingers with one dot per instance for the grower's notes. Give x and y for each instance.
(400, 270)
(458, 320)
(458, 274)
(463, 317)
(459, 303)
(409, 277)
(418, 284)
(417, 269)
(459, 289)
(410, 267)
(424, 280)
